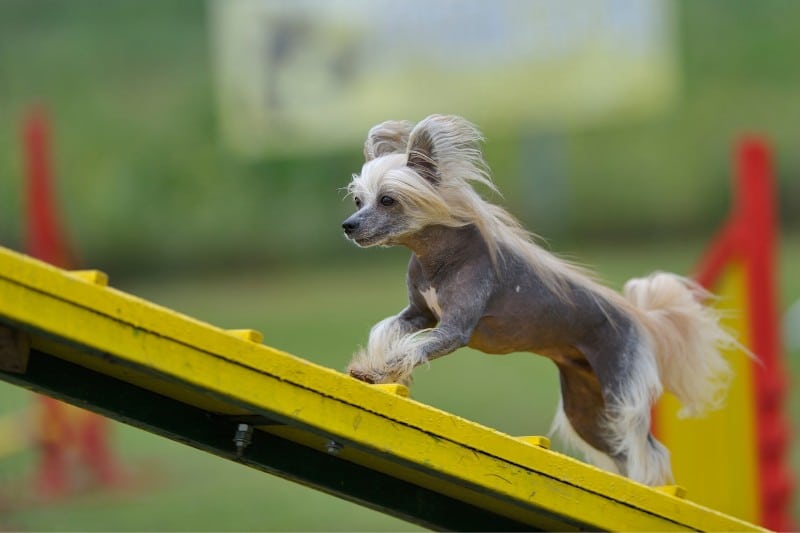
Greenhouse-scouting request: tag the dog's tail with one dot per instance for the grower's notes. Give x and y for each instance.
(687, 339)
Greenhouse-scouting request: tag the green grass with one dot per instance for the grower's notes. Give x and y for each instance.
(320, 312)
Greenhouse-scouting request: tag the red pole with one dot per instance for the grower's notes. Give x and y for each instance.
(750, 235)
(44, 238)
(755, 207)
(61, 429)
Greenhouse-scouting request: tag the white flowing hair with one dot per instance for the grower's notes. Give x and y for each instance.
(687, 338)
(450, 147)
(389, 342)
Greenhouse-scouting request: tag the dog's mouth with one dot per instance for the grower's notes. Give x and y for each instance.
(366, 237)
(363, 238)
(365, 241)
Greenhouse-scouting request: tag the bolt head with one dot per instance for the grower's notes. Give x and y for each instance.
(333, 447)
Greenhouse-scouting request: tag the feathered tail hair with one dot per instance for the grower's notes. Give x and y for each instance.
(687, 339)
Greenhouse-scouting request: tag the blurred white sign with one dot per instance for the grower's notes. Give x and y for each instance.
(303, 75)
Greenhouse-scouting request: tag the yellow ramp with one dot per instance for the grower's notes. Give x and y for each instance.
(226, 393)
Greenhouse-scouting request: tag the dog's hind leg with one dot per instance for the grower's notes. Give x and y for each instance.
(628, 402)
(611, 429)
(579, 418)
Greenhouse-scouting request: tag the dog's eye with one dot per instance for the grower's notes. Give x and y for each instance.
(358, 202)
(387, 201)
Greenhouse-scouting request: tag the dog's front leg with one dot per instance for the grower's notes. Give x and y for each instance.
(400, 355)
(399, 344)
(386, 345)
(423, 347)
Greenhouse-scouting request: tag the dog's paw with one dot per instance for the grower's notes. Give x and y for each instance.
(380, 378)
(362, 375)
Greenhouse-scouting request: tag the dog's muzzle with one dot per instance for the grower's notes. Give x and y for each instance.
(350, 225)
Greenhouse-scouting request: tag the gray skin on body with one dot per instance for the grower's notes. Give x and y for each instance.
(504, 306)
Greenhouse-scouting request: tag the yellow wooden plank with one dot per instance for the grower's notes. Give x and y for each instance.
(247, 334)
(536, 440)
(91, 276)
(200, 364)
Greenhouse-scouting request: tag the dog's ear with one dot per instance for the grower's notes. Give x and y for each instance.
(390, 137)
(445, 149)
(421, 156)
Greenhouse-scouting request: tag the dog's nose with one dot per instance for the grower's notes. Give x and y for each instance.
(349, 225)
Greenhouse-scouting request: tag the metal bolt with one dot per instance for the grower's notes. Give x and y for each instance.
(333, 447)
(242, 438)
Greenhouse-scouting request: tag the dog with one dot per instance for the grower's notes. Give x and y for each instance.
(476, 278)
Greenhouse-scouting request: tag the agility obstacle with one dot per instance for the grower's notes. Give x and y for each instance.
(226, 393)
(736, 459)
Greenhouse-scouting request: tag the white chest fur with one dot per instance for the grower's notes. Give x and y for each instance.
(432, 301)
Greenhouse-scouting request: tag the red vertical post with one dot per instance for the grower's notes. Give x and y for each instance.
(749, 239)
(44, 241)
(62, 428)
(755, 206)
(44, 237)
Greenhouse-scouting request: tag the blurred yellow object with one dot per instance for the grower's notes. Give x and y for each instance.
(737, 459)
(700, 472)
(15, 435)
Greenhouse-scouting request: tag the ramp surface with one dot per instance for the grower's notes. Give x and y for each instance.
(169, 374)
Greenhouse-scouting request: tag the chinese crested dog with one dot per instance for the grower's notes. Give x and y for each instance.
(476, 278)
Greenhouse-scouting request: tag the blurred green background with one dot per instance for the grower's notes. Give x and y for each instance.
(149, 194)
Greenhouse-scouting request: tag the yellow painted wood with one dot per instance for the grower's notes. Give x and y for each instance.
(673, 490)
(211, 368)
(394, 388)
(95, 277)
(542, 442)
(247, 334)
(714, 457)
(15, 437)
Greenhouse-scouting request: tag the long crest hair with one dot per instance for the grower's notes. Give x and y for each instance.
(434, 166)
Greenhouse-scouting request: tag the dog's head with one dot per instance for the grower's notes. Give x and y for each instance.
(413, 177)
